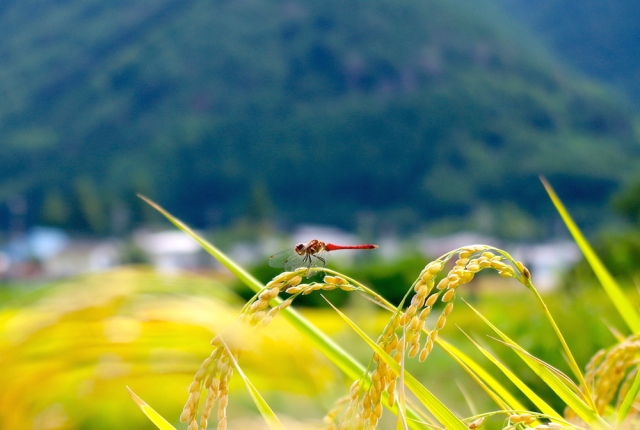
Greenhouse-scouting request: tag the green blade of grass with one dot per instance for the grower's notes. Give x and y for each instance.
(338, 356)
(588, 415)
(573, 364)
(237, 270)
(335, 353)
(611, 287)
(431, 402)
(467, 398)
(494, 389)
(531, 395)
(628, 400)
(568, 381)
(267, 413)
(155, 417)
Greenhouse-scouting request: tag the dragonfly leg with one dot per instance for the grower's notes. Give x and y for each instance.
(307, 260)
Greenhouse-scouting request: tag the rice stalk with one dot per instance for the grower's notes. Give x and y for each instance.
(404, 330)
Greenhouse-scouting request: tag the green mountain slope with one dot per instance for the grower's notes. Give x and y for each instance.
(599, 38)
(308, 111)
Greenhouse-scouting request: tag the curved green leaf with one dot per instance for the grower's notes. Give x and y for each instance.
(628, 400)
(500, 395)
(330, 349)
(342, 359)
(267, 413)
(155, 417)
(531, 395)
(573, 364)
(611, 287)
(558, 385)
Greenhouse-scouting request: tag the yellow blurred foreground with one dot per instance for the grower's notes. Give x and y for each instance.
(67, 354)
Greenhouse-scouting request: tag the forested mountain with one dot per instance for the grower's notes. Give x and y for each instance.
(600, 38)
(344, 112)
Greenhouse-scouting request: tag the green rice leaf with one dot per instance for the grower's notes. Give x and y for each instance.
(628, 400)
(267, 413)
(435, 406)
(467, 398)
(235, 268)
(531, 395)
(558, 385)
(343, 360)
(155, 417)
(330, 349)
(569, 355)
(611, 287)
(500, 395)
(568, 381)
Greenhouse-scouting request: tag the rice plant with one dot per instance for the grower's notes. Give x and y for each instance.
(602, 396)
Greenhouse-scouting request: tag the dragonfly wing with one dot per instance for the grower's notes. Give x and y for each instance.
(280, 259)
(319, 259)
(295, 261)
(291, 260)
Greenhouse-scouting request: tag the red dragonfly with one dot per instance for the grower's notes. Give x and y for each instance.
(310, 255)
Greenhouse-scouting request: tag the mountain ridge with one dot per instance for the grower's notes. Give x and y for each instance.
(303, 111)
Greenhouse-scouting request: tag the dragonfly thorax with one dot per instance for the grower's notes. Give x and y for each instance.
(310, 248)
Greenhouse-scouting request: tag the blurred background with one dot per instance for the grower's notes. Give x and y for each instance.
(420, 125)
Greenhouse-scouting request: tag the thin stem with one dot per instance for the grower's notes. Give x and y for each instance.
(572, 361)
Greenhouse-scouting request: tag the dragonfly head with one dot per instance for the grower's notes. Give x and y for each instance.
(300, 248)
